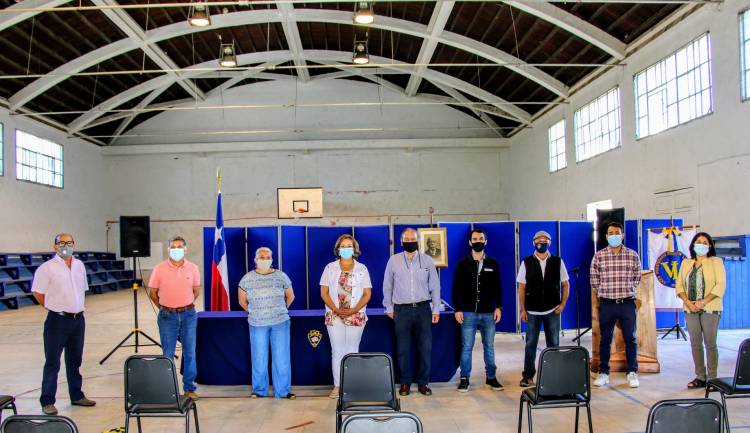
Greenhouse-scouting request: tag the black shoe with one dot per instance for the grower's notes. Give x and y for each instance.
(464, 385)
(255, 395)
(290, 396)
(527, 382)
(494, 384)
(404, 390)
(696, 383)
(424, 390)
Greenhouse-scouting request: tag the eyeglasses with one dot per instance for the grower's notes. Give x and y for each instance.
(66, 244)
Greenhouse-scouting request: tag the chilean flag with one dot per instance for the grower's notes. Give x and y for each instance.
(219, 274)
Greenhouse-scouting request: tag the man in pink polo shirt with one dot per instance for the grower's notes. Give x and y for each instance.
(174, 286)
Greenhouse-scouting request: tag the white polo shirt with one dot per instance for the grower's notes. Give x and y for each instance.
(64, 288)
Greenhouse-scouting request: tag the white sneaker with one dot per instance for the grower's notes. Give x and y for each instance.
(601, 380)
(633, 379)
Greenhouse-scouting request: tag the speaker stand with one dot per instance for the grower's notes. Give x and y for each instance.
(136, 332)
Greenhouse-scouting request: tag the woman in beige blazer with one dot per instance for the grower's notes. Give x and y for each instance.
(700, 285)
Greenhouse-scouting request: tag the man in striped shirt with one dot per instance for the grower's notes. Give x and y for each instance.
(615, 275)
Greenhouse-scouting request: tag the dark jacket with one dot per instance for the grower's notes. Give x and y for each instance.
(542, 292)
(477, 292)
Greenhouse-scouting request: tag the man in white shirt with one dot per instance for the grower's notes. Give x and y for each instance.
(539, 279)
(60, 286)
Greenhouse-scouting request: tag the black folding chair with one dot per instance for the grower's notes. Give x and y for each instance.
(699, 415)
(367, 385)
(7, 402)
(151, 391)
(733, 387)
(383, 422)
(562, 381)
(38, 424)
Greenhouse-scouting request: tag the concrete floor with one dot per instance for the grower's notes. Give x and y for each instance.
(228, 409)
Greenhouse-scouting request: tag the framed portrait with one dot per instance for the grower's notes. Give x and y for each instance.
(434, 243)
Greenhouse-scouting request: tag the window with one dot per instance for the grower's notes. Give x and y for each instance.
(597, 126)
(745, 54)
(591, 208)
(556, 140)
(38, 160)
(675, 90)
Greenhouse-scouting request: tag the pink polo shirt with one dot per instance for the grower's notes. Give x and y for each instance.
(64, 288)
(175, 283)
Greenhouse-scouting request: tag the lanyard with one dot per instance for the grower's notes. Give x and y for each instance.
(406, 262)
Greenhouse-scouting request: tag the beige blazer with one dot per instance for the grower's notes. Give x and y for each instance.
(714, 276)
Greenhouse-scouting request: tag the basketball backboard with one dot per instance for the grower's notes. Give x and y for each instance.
(295, 203)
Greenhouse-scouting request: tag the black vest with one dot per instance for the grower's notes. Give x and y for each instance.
(542, 293)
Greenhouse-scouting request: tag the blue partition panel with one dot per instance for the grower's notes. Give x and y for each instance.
(501, 244)
(664, 318)
(457, 236)
(293, 264)
(576, 244)
(235, 247)
(262, 236)
(526, 232)
(631, 235)
(737, 295)
(320, 242)
(397, 229)
(374, 243)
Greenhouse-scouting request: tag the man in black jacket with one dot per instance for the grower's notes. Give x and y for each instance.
(478, 300)
(539, 278)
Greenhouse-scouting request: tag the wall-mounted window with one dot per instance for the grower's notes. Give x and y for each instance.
(597, 126)
(745, 54)
(38, 160)
(556, 141)
(675, 90)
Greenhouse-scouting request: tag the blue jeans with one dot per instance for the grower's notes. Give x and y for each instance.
(278, 337)
(485, 323)
(174, 326)
(62, 333)
(534, 324)
(609, 313)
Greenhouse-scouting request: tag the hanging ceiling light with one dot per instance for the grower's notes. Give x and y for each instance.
(227, 56)
(361, 56)
(363, 13)
(199, 15)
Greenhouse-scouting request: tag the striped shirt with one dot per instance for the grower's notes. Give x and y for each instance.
(615, 275)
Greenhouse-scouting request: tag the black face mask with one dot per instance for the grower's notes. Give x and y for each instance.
(477, 246)
(410, 247)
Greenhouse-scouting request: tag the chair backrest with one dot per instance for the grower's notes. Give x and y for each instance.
(742, 369)
(700, 415)
(150, 379)
(38, 424)
(564, 371)
(367, 377)
(388, 422)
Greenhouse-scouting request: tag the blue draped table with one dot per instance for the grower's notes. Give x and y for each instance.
(223, 347)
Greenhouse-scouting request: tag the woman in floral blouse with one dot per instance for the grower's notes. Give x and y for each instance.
(345, 288)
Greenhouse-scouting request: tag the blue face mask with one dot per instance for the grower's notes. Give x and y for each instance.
(346, 253)
(176, 254)
(701, 250)
(541, 247)
(614, 240)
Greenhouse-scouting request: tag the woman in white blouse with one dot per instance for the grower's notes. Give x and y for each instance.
(345, 288)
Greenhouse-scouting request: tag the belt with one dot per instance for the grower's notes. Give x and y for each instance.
(64, 314)
(413, 304)
(616, 301)
(178, 309)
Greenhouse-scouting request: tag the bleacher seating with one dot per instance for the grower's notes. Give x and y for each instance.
(103, 271)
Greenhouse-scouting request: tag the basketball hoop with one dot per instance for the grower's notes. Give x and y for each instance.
(298, 213)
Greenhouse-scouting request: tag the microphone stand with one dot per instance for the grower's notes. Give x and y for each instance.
(579, 334)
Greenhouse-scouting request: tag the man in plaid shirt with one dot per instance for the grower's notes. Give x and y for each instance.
(615, 274)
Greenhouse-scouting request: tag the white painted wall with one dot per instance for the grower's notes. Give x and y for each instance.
(711, 154)
(32, 214)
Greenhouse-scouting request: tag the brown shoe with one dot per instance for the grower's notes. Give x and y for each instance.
(404, 390)
(83, 402)
(424, 390)
(50, 409)
(192, 394)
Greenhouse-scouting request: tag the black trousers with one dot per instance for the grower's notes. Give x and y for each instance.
(610, 313)
(413, 325)
(62, 333)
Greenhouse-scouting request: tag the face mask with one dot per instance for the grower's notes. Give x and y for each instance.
(263, 264)
(65, 252)
(541, 247)
(614, 240)
(410, 247)
(700, 249)
(176, 254)
(346, 253)
(477, 246)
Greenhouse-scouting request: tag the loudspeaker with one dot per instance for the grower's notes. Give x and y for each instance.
(604, 217)
(135, 236)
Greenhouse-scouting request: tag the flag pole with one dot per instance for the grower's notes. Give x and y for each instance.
(218, 179)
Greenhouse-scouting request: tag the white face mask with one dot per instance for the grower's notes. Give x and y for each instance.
(263, 264)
